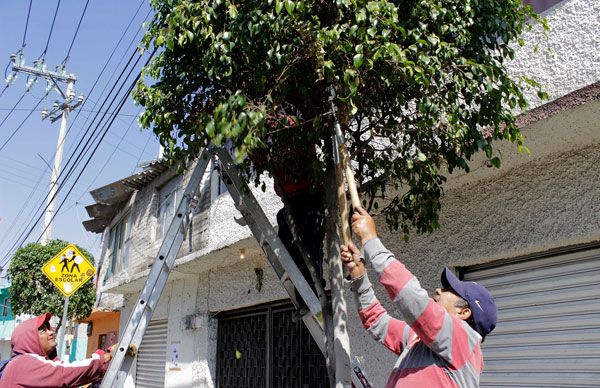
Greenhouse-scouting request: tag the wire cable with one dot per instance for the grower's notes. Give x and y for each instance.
(20, 239)
(25, 235)
(82, 110)
(116, 147)
(120, 106)
(22, 46)
(51, 29)
(100, 75)
(76, 31)
(26, 24)
(90, 158)
(6, 71)
(13, 108)
(22, 123)
(142, 153)
(24, 205)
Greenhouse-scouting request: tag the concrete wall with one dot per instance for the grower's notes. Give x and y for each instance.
(568, 54)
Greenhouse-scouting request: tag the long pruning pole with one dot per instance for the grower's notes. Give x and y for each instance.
(339, 351)
(342, 161)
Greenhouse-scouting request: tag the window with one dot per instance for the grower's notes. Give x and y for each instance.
(6, 307)
(105, 341)
(167, 202)
(118, 245)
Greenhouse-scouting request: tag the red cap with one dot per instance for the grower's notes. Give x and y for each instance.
(44, 318)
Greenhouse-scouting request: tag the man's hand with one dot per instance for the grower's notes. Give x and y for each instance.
(363, 225)
(108, 355)
(350, 257)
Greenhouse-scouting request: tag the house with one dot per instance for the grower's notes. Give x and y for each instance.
(221, 276)
(529, 231)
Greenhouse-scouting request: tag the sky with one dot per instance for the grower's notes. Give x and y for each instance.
(108, 28)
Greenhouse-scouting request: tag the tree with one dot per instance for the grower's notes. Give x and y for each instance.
(31, 292)
(419, 87)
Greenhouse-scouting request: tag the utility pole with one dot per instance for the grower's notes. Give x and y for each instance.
(52, 78)
(60, 110)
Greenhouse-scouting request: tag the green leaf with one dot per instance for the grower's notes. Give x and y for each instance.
(233, 12)
(358, 60)
(289, 6)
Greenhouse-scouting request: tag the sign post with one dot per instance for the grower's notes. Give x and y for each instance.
(68, 271)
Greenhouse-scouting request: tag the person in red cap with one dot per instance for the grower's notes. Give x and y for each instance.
(438, 339)
(34, 364)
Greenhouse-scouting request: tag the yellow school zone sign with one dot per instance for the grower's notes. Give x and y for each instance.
(69, 270)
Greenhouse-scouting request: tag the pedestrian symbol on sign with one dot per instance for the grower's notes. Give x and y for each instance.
(75, 270)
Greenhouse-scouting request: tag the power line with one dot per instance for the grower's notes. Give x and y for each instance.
(26, 24)
(20, 238)
(82, 110)
(76, 31)
(51, 29)
(102, 72)
(95, 133)
(107, 160)
(93, 152)
(20, 125)
(142, 153)
(36, 168)
(24, 205)
(20, 50)
(20, 183)
(14, 107)
(120, 106)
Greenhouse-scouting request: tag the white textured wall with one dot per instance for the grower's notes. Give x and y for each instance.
(569, 54)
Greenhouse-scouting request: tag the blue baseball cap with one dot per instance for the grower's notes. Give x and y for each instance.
(481, 302)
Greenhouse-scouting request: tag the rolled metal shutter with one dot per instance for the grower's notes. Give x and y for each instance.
(152, 356)
(548, 332)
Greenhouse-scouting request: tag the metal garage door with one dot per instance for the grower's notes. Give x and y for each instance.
(151, 360)
(548, 333)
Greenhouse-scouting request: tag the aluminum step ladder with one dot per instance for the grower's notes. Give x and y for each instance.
(290, 276)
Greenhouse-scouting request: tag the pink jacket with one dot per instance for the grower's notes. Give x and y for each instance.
(32, 368)
(435, 349)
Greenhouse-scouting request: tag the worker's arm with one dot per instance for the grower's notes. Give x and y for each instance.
(31, 370)
(446, 335)
(392, 333)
